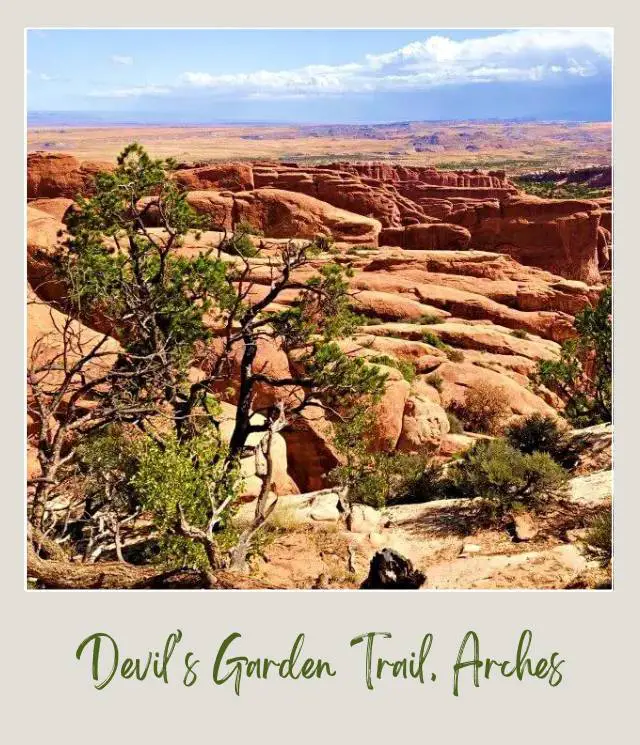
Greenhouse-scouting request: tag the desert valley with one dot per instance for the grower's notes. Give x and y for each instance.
(394, 332)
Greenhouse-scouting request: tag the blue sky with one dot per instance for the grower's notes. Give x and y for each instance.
(330, 76)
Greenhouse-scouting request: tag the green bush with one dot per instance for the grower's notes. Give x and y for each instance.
(599, 538)
(504, 476)
(405, 367)
(519, 334)
(434, 340)
(435, 380)
(582, 375)
(539, 433)
(381, 478)
(554, 190)
(239, 243)
(324, 243)
(187, 478)
(429, 319)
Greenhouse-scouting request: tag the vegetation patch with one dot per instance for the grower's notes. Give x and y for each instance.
(483, 408)
(582, 375)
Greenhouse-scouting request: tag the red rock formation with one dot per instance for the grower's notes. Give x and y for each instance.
(222, 176)
(217, 206)
(57, 175)
(45, 235)
(58, 207)
(285, 214)
(561, 236)
(437, 235)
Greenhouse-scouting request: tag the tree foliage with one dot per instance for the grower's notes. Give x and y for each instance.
(582, 375)
(505, 477)
(544, 434)
(164, 306)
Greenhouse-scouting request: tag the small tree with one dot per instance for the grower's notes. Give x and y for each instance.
(582, 375)
(132, 282)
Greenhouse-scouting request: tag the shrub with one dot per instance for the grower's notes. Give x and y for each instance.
(435, 380)
(483, 408)
(554, 190)
(378, 479)
(429, 319)
(599, 538)
(421, 480)
(434, 340)
(519, 334)
(370, 320)
(407, 369)
(239, 244)
(187, 479)
(455, 425)
(507, 478)
(539, 433)
(455, 355)
(244, 226)
(324, 243)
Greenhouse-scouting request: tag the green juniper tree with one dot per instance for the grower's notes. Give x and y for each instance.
(134, 284)
(582, 375)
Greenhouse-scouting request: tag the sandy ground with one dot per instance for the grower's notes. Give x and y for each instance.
(441, 544)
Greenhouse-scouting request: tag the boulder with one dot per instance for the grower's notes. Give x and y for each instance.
(389, 415)
(389, 570)
(593, 490)
(523, 527)
(253, 466)
(51, 175)
(391, 306)
(364, 519)
(218, 208)
(285, 214)
(325, 507)
(213, 205)
(436, 236)
(424, 424)
(51, 350)
(58, 207)
(221, 176)
(592, 447)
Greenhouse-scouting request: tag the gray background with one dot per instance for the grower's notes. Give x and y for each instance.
(48, 694)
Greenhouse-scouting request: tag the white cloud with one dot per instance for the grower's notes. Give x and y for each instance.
(48, 78)
(527, 55)
(134, 92)
(121, 60)
(515, 56)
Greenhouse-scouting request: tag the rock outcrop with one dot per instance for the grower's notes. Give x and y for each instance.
(51, 175)
(376, 204)
(285, 214)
